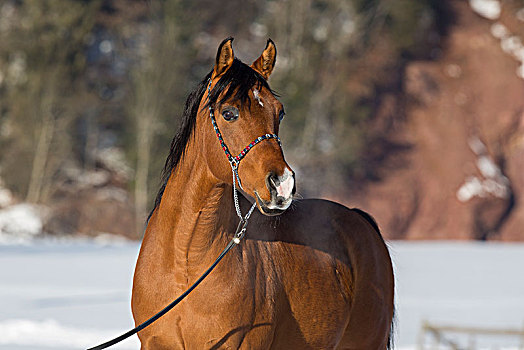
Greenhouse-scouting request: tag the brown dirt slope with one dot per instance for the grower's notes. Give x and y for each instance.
(463, 176)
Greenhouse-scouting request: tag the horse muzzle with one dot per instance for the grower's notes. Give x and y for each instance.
(281, 188)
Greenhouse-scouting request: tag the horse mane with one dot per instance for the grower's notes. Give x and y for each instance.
(236, 82)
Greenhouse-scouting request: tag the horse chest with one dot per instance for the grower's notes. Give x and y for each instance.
(231, 309)
(261, 296)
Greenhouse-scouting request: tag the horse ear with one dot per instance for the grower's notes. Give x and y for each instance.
(225, 57)
(265, 63)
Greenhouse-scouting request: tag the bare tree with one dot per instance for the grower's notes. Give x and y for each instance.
(44, 42)
(153, 81)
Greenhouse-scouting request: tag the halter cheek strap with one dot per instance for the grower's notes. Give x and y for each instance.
(234, 161)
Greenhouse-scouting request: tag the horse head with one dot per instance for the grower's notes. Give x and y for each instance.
(246, 114)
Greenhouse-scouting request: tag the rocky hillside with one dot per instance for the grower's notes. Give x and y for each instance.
(460, 174)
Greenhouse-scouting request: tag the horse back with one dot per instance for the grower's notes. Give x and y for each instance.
(342, 264)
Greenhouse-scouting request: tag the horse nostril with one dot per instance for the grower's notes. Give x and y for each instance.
(282, 187)
(273, 181)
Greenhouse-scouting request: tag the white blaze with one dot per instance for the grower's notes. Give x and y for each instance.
(256, 94)
(287, 182)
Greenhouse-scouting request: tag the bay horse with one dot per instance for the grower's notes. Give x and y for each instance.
(309, 274)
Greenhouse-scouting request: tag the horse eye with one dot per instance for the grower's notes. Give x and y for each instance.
(281, 116)
(230, 113)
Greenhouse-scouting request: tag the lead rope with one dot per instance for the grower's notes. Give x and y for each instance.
(239, 234)
(237, 237)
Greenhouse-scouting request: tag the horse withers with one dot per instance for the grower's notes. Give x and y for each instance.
(310, 274)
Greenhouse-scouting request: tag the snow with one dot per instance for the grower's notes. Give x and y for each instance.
(509, 43)
(519, 54)
(489, 9)
(493, 182)
(19, 223)
(114, 159)
(520, 70)
(469, 284)
(471, 188)
(499, 30)
(65, 294)
(76, 294)
(6, 197)
(49, 333)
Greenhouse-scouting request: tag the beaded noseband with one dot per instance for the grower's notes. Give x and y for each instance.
(234, 161)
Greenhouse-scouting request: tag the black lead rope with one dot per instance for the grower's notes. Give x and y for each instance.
(170, 306)
(239, 234)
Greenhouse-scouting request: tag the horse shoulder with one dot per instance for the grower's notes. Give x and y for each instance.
(319, 220)
(344, 256)
(349, 235)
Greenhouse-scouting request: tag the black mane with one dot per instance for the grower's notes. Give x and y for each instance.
(236, 83)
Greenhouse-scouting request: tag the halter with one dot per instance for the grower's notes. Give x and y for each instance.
(237, 237)
(234, 161)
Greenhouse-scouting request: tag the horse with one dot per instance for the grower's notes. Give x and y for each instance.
(309, 273)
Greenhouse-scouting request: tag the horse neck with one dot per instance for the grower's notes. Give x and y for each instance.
(193, 218)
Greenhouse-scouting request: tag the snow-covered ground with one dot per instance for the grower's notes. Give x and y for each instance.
(73, 295)
(459, 284)
(65, 295)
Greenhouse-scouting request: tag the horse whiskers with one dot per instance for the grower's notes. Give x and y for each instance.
(297, 196)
